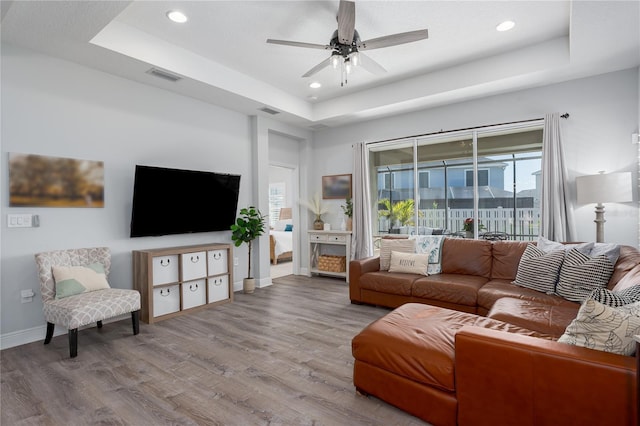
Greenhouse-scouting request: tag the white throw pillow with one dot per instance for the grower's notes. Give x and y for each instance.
(604, 328)
(387, 245)
(409, 263)
(72, 280)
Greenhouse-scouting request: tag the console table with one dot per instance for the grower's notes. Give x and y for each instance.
(328, 248)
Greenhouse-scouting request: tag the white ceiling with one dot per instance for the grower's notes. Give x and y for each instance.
(223, 57)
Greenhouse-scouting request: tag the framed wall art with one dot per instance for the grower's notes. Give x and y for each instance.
(336, 186)
(43, 181)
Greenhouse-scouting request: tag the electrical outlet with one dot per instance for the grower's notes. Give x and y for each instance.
(24, 220)
(236, 262)
(26, 296)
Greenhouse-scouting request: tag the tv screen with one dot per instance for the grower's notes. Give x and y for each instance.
(174, 201)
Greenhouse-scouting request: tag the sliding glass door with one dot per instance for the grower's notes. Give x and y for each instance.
(483, 183)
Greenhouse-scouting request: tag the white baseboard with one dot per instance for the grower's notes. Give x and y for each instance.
(30, 335)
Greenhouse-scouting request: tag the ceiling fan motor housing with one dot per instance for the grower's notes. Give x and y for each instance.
(342, 49)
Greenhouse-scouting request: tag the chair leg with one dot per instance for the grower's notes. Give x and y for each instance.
(135, 319)
(50, 327)
(99, 324)
(73, 343)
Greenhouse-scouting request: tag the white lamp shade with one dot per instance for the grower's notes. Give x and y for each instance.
(605, 188)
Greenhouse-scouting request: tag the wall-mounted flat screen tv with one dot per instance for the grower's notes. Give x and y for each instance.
(175, 201)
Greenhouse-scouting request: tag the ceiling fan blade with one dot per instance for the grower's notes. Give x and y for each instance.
(299, 44)
(394, 39)
(318, 67)
(370, 65)
(346, 21)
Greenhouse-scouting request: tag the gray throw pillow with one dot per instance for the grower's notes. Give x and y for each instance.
(538, 270)
(581, 274)
(616, 298)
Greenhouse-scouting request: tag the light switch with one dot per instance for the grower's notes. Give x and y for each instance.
(24, 220)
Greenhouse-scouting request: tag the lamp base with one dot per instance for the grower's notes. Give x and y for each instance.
(599, 223)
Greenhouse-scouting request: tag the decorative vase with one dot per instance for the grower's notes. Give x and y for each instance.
(343, 225)
(248, 285)
(349, 224)
(318, 224)
(468, 234)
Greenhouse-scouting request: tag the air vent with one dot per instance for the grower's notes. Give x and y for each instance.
(269, 110)
(164, 74)
(319, 127)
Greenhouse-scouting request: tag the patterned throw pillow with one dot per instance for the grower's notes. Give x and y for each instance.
(538, 270)
(581, 274)
(409, 263)
(431, 245)
(616, 298)
(72, 280)
(387, 245)
(604, 328)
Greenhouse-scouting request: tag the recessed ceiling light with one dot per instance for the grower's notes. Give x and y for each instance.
(312, 98)
(315, 85)
(505, 26)
(177, 16)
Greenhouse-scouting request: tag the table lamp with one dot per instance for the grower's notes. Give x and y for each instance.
(604, 188)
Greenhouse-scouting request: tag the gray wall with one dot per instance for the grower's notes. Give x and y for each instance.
(597, 136)
(57, 108)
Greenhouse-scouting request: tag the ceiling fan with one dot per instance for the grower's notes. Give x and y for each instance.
(346, 46)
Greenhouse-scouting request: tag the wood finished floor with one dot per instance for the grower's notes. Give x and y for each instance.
(281, 356)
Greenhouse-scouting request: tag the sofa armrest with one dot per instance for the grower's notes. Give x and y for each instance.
(505, 378)
(357, 268)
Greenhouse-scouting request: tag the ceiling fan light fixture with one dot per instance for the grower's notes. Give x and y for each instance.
(315, 85)
(505, 26)
(355, 58)
(177, 16)
(335, 60)
(348, 67)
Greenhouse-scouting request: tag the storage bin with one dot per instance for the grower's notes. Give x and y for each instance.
(165, 269)
(194, 293)
(218, 288)
(166, 300)
(194, 265)
(331, 263)
(217, 262)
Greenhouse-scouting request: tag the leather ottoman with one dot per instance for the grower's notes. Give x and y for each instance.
(406, 358)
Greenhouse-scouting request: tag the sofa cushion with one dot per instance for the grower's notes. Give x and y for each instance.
(451, 288)
(533, 315)
(604, 328)
(388, 282)
(627, 269)
(467, 257)
(394, 244)
(416, 341)
(538, 269)
(496, 289)
(581, 274)
(506, 257)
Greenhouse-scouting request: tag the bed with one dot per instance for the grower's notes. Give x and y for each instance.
(280, 240)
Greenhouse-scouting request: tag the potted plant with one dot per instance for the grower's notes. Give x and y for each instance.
(348, 212)
(467, 227)
(316, 207)
(249, 225)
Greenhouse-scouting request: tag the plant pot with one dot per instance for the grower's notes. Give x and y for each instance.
(248, 285)
(349, 224)
(318, 225)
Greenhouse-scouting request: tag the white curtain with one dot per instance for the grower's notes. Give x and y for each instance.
(361, 239)
(556, 214)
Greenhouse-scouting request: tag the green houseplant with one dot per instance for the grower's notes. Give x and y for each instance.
(249, 225)
(348, 212)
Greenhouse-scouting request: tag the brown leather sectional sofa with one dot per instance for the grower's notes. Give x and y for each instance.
(491, 357)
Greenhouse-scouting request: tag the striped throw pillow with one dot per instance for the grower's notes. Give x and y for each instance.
(538, 270)
(581, 274)
(616, 298)
(389, 245)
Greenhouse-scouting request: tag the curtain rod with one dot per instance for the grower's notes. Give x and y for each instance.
(565, 115)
